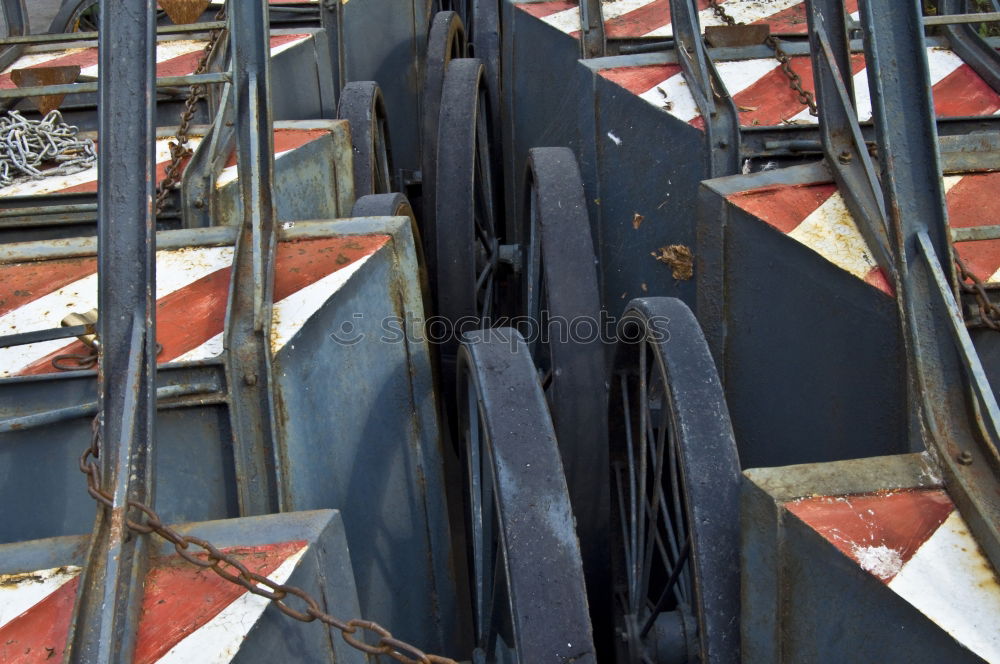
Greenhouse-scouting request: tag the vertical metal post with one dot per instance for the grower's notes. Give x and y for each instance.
(716, 106)
(843, 144)
(955, 410)
(592, 38)
(16, 17)
(107, 608)
(248, 323)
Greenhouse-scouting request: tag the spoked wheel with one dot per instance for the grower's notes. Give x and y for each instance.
(445, 42)
(474, 268)
(362, 105)
(75, 16)
(527, 582)
(675, 493)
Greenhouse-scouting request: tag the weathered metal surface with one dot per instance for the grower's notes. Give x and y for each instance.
(189, 613)
(877, 542)
(43, 76)
(184, 11)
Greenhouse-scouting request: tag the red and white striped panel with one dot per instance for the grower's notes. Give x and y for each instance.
(173, 57)
(285, 141)
(192, 287)
(763, 97)
(189, 614)
(629, 19)
(918, 545)
(816, 215)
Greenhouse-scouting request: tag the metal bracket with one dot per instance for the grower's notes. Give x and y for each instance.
(958, 414)
(969, 45)
(716, 106)
(843, 145)
(592, 40)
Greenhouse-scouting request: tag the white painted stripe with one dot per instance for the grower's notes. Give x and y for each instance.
(58, 183)
(40, 58)
(175, 269)
(281, 48)
(951, 582)
(231, 173)
(674, 95)
(743, 11)
(219, 640)
(211, 348)
(568, 20)
(20, 592)
(831, 232)
(291, 313)
(941, 62)
(165, 50)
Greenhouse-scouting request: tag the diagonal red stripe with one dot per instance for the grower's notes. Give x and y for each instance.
(783, 206)
(192, 315)
(39, 634)
(543, 9)
(899, 521)
(640, 79)
(963, 92)
(180, 598)
(23, 283)
(972, 202)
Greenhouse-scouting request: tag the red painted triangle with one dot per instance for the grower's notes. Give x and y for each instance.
(900, 521)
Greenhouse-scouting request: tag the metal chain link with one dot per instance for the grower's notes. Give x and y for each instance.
(231, 569)
(36, 149)
(989, 313)
(794, 80)
(179, 150)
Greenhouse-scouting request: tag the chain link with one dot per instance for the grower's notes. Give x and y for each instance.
(36, 149)
(179, 150)
(794, 80)
(205, 555)
(989, 313)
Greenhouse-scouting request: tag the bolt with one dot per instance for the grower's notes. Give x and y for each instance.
(845, 157)
(199, 203)
(965, 458)
(250, 379)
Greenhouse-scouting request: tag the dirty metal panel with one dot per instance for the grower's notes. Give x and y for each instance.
(780, 316)
(763, 97)
(876, 542)
(190, 613)
(632, 19)
(355, 381)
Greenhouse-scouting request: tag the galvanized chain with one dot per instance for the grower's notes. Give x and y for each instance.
(794, 80)
(989, 313)
(36, 149)
(231, 569)
(179, 150)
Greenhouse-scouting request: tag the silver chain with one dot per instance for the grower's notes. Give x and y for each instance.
(36, 149)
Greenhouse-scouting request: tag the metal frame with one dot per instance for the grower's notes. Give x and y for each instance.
(16, 16)
(593, 42)
(966, 41)
(109, 597)
(956, 412)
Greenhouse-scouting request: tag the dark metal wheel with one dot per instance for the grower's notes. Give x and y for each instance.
(474, 268)
(561, 307)
(675, 493)
(75, 16)
(528, 598)
(446, 41)
(362, 105)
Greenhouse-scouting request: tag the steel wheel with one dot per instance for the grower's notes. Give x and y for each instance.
(361, 104)
(445, 42)
(473, 272)
(675, 493)
(75, 16)
(528, 598)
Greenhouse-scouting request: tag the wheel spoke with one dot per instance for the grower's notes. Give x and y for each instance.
(632, 536)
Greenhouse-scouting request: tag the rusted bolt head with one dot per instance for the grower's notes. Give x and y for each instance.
(965, 458)
(199, 203)
(250, 379)
(844, 157)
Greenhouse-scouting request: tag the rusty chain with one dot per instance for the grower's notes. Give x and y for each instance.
(989, 313)
(179, 150)
(231, 569)
(794, 80)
